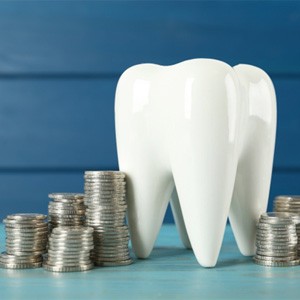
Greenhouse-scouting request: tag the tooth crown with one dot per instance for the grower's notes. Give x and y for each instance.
(207, 128)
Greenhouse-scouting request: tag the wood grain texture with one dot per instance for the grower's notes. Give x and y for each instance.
(109, 36)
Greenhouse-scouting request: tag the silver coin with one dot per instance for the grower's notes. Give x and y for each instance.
(111, 173)
(24, 245)
(4, 257)
(115, 264)
(66, 211)
(106, 194)
(20, 265)
(20, 261)
(27, 224)
(25, 227)
(268, 247)
(290, 263)
(290, 232)
(275, 254)
(66, 196)
(286, 237)
(288, 198)
(71, 243)
(26, 217)
(104, 191)
(69, 263)
(71, 238)
(99, 184)
(110, 259)
(58, 258)
(78, 268)
(73, 230)
(276, 227)
(271, 258)
(38, 233)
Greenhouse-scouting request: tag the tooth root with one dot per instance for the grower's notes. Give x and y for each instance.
(148, 193)
(149, 181)
(179, 221)
(251, 190)
(204, 165)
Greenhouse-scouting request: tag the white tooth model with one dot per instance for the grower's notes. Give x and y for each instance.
(208, 129)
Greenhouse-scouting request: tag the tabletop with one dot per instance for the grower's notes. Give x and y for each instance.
(171, 272)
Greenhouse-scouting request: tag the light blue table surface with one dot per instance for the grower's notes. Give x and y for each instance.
(170, 272)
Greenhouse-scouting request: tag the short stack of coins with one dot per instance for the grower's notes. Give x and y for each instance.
(66, 209)
(26, 241)
(290, 204)
(69, 249)
(276, 241)
(105, 198)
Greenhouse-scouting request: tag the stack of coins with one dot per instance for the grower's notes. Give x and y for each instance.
(105, 198)
(66, 209)
(26, 241)
(276, 241)
(69, 249)
(290, 204)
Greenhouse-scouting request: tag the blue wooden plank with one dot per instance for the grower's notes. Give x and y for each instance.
(57, 123)
(69, 124)
(171, 272)
(28, 192)
(109, 36)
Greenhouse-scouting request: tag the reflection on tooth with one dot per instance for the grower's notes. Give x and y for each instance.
(257, 142)
(211, 128)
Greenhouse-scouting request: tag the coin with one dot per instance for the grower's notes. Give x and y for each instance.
(26, 240)
(60, 268)
(69, 249)
(265, 263)
(20, 265)
(66, 209)
(105, 194)
(115, 263)
(26, 217)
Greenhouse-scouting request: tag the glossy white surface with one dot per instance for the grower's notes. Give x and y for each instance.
(207, 128)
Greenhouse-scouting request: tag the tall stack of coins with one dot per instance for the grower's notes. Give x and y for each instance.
(276, 241)
(290, 204)
(105, 198)
(69, 249)
(26, 241)
(66, 209)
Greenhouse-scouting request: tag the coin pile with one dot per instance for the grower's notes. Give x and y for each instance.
(105, 198)
(66, 209)
(26, 241)
(290, 204)
(276, 241)
(69, 249)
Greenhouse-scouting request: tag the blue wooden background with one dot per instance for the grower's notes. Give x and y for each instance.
(60, 62)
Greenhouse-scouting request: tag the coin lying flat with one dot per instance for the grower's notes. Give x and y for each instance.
(265, 263)
(61, 268)
(276, 240)
(26, 241)
(290, 204)
(105, 194)
(69, 249)
(66, 209)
